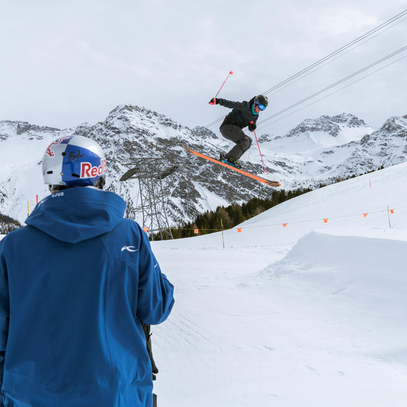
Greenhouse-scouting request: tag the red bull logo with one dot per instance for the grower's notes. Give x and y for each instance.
(49, 152)
(90, 171)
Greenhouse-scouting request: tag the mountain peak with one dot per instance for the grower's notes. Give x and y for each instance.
(137, 116)
(126, 112)
(328, 124)
(395, 125)
(349, 119)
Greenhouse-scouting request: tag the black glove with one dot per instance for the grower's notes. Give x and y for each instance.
(213, 101)
(252, 126)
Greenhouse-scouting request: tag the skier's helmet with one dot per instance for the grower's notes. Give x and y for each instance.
(261, 99)
(73, 161)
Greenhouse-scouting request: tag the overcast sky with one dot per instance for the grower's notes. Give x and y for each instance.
(68, 62)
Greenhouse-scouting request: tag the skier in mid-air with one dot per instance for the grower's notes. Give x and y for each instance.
(243, 114)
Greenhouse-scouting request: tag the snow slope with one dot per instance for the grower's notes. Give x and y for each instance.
(311, 314)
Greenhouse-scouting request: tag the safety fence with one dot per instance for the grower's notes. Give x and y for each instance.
(389, 211)
(197, 231)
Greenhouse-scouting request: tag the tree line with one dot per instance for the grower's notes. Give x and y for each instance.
(8, 224)
(232, 215)
(226, 218)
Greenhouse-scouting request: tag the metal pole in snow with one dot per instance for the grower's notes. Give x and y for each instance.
(214, 99)
(223, 238)
(388, 214)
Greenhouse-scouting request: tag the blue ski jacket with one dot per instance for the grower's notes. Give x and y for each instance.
(75, 285)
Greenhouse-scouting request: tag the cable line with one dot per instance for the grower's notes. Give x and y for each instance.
(216, 121)
(328, 62)
(378, 28)
(309, 104)
(335, 53)
(336, 83)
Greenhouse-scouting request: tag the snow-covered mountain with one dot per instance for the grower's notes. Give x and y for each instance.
(320, 133)
(317, 151)
(328, 148)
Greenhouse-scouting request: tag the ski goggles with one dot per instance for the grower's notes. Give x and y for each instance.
(260, 106)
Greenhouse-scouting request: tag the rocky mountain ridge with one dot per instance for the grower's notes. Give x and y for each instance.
(316, 151)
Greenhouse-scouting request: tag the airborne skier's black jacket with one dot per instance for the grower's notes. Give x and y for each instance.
(242, 113)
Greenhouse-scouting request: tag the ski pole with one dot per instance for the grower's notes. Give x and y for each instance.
(258, 145)
(214, 99)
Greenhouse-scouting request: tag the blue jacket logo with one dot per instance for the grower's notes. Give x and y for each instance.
(129, 248)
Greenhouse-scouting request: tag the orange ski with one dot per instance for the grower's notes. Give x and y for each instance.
(248, 174)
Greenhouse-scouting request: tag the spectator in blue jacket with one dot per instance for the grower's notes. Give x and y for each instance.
(75, 286)
(243, 114)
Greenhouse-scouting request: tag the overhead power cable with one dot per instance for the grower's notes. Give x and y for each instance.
(350, 84)
(338, 51)
(215, 122)
(336, 83)
(332, 60)
(333, 54)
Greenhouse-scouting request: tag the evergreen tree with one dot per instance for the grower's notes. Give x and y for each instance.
(234, 214)
(238, 218)
(8, 224)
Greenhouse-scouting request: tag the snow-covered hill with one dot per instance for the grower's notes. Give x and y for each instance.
(307, 315)
(311, 314)
(317, 151)
(323, 150)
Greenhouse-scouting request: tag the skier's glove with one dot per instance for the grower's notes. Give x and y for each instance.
(252, 126)
(213, 101)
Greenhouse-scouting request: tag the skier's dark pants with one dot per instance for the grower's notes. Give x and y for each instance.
(235, 133)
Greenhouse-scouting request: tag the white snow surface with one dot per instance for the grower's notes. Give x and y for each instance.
(311, 314)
